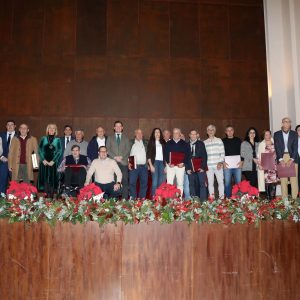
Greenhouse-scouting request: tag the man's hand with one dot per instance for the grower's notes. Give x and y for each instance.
(189, 172)
(288, 164)
(171, 166)
(282, 163)
(225, 165)
(86, 183)
(255, 160)
(129, 167)
(152, 169)
(180, 165)
(219, 166)
(3, 159)
(240, 164)
(117, 186)
(118, 158)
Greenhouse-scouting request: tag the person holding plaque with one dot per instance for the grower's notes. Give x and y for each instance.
(49, 152)
(267, 170)
(197, 174)
(178, 159)
(215, 159)
(139, 170)
(155, 158)
(20, 155)
(249, 150)
(233, 163)
(286, 147)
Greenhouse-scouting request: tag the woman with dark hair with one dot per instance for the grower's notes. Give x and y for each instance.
(156, 159)
(249, 149)
(297, 129)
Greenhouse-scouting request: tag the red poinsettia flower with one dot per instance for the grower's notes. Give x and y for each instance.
(244, 186)
(235, 189)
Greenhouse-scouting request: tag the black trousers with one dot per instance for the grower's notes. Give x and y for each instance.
(108, 189)
(251, 176)
(75, 177)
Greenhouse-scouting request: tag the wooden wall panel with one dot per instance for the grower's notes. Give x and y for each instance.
(184, 18)
(154, 29)
(214, 31)
(150, 261)
(147, 62)
(91, 27)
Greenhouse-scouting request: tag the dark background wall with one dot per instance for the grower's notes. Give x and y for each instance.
(148, 63)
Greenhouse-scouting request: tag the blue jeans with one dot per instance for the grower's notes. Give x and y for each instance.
(198, 187)
(228, 173)
(141, 173)
(158, 177)
(186, 187)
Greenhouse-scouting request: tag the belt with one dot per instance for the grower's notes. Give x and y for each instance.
(143, 165)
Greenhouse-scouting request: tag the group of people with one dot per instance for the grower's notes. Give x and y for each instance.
(121, 167)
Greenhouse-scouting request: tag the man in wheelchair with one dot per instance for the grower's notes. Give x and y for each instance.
(73, 170)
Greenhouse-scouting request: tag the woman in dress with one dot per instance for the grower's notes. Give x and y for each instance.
(267, 179)
(156, 159)
(249, 149)
(50, 151)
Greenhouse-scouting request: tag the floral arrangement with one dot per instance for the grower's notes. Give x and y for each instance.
(22, 204)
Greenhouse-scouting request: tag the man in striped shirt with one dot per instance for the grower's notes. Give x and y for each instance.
(215, 159)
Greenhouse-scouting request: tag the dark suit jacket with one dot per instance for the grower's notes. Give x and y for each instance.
(200, 151)
(62, 141)
(151, 152)
(92, 149)
(4, 143)
(122, 150)
(292, 144)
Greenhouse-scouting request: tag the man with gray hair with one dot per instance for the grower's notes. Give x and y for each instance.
(175, 146)
(79, 141)
(215, 159)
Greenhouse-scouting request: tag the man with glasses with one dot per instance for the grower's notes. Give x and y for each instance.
(105, 169)
(286, 147)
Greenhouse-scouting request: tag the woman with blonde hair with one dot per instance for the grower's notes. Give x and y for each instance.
(50, 151)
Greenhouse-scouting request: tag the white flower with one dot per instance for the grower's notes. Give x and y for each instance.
(98, 197)
(296, 218)
(278, 216)
(10, 197)
(3, 195)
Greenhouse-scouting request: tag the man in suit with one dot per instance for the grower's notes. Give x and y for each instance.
(118, 147)
(197, 178)
(6, 139)
(66, 139)
(96, 142)
(286, 147)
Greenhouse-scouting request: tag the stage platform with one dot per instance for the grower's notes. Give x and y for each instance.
(150, 261)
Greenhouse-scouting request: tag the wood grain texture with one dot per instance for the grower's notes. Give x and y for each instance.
(183, 63)
(150, 261)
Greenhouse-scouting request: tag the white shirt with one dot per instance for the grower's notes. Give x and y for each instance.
(101, 142)
(159, 151)
(12, 134)
(66, 140)
(285, 139)
(139, 152)
(193, 147)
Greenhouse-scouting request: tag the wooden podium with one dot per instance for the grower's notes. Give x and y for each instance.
(150, 261)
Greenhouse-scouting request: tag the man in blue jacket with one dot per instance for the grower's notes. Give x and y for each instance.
(95, 143)
(177, 145)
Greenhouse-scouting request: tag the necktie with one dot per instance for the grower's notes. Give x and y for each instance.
(118, 139)
(68, 140)
(8, 140)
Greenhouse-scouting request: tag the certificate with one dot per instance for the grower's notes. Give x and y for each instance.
(232, 161)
